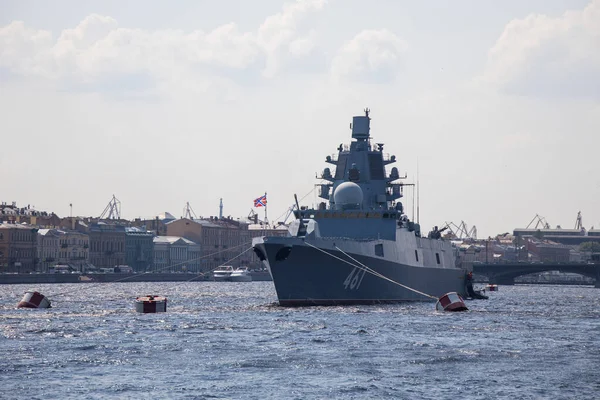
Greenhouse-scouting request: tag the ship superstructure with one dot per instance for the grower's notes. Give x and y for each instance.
(358, 246)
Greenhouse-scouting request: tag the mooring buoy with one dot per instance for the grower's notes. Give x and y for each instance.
(150, 304)
(34, 299)
(451, 302)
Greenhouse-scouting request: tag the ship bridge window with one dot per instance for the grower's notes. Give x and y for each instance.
(437, 257)
(417, 255)
(379, 250)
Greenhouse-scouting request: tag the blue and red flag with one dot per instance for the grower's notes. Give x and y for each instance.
(261, 201)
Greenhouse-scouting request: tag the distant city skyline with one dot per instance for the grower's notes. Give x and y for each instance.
(496, 103)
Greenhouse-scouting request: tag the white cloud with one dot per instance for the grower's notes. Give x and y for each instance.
(22, 49)
(541, 55)
(279, 32)
(98, 52)
(371, 56)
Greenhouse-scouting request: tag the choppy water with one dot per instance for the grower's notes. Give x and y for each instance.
(230, 340)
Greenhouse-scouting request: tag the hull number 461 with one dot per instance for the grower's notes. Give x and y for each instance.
(355, 278)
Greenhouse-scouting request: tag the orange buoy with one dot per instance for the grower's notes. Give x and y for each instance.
(150, 304)
(33, 299)
(451, 302)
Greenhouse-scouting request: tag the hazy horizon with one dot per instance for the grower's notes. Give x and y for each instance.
(497, 104)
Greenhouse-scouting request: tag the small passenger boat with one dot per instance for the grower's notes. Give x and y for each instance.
(222, 273)
(240, 275)
(492, 288)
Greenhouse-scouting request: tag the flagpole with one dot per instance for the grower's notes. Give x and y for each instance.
(266, 204)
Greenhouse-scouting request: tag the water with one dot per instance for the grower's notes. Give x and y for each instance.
(230, 341)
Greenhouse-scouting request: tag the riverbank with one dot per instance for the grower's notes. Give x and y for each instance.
(85, 278)
(8, 279)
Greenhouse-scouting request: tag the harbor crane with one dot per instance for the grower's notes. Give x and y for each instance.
(579, 221)
(112, 210)
(188, 212)
(539, 222)
(253, 216)
(461, 231)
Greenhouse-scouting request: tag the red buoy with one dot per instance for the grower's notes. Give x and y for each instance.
(150, 304)
(451, 302)
(33, 299)
(492, 288)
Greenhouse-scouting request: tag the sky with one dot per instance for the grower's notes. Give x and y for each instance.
(496, 105)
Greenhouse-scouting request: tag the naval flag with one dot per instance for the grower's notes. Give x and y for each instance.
(261, 201)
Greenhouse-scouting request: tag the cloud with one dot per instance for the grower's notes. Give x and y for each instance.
(371, 56)
(98, 52)
(278, 35)
(23, 50)
(544, 56)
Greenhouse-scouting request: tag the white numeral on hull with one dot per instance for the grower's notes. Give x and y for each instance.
(355, 278)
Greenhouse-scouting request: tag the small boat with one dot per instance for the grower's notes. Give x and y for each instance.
(240, 275)
(34, 299)
(222, 273)
(492, 288)
(150, 304)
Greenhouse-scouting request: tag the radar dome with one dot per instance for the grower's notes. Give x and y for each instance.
(348, 195)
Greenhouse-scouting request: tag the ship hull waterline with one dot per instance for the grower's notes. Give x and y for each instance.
(308, 276)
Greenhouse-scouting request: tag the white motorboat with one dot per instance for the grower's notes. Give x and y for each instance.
(222, 273)
(240, 275)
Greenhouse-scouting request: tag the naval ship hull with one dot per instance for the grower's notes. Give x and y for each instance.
(308, 276)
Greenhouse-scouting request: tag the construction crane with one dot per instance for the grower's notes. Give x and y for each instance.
(539, 221)
(112, 210)
(579, 221)
(253, 216)
(288, 213)
(188, 212)
(461, 231)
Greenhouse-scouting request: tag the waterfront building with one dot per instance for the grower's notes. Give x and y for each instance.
(547, 251)
(559, 235)
(176, 254)
(74, 249)
(222, 240)
(11, 213)
(139, 249)
(157, 224)
(62, 247)
(48, 247)
(106, 244)
(18, 247)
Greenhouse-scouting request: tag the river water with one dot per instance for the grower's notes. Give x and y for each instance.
(231, 341)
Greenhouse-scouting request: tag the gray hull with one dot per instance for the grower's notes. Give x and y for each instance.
(308, 276)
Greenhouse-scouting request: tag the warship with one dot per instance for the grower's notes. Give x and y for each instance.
(358, 246)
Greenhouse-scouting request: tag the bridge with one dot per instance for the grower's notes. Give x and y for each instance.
(505, 273)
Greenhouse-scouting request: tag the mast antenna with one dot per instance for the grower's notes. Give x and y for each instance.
(417, 190)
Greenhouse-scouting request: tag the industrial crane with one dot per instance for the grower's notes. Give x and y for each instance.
(112, 210)
(461, 231)
(579, 221)
(539, 221)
